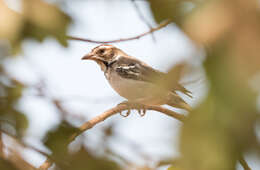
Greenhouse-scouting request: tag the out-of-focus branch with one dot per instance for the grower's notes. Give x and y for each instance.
(1, 145)
(21, 143)
(244, 164)
(14, 157)
(162, 25)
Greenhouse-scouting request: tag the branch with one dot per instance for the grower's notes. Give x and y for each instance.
(162, 25)
(94, 121)
(23, 144)
(140, 15)
(244, 164)
(91, 123)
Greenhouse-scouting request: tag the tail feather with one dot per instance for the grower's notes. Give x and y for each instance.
(184, 90)
(177, 102)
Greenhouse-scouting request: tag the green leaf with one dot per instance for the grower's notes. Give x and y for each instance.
(173, 168)
(57, 140)
(22, 123)
(43, 19)
(170, 9)
(5, 165)
(85, 160)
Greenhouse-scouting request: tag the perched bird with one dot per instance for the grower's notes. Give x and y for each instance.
(135, 80)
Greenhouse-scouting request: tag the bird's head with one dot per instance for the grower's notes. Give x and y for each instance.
(103, 55)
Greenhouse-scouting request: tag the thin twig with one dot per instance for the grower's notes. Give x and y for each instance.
(244, 164)
(141, 16)
(162, 25)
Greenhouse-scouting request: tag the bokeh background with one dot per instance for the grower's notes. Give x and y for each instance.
(47, 91)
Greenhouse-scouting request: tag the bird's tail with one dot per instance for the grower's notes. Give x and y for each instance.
(177, 102)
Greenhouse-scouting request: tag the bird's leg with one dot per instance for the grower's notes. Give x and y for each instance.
(139, 107)
(125, 103)
(144, 112)
(141, 110)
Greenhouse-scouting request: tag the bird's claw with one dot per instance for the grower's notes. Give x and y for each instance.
(127, 113)
(142, 112)
(140, 108)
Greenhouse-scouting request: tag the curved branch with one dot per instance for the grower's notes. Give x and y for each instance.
(94, 121)
(91, 123)
(162, 25)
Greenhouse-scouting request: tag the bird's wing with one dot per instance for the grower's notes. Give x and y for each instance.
(137, 70)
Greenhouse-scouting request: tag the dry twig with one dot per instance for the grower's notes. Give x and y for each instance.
(139, 13)
(162, 25)
(244, 164)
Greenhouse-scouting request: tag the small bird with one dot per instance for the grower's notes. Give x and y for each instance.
(135, 80)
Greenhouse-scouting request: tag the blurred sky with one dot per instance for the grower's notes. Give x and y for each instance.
(84, 87)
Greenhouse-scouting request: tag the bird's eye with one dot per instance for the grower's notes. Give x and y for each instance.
(101, 51)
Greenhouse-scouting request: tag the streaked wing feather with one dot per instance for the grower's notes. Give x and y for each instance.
(134, 69)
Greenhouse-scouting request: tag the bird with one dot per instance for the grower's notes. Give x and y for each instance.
(135, 80)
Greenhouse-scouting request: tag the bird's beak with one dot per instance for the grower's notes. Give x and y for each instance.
(89, 56)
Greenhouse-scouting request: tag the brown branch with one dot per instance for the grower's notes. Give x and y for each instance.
(162, 25)
(94, 121)
(244, 164)
(91, 123)
(141, 16)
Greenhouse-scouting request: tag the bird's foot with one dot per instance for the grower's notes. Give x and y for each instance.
(139, 107)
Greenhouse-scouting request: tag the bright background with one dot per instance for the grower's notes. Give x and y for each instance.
(84, 88)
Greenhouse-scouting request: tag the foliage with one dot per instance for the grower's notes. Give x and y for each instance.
(222, 127)
(216, 134)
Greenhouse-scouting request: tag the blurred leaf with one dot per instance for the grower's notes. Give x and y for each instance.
(37, 20)
(170, 9)
(43, 19)
(5, 165)
(57, 140)
(84, 160)
(11, 119)
(173, 168)
(11, 24)
(222, 127)
(202, 25)
(22, 123)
